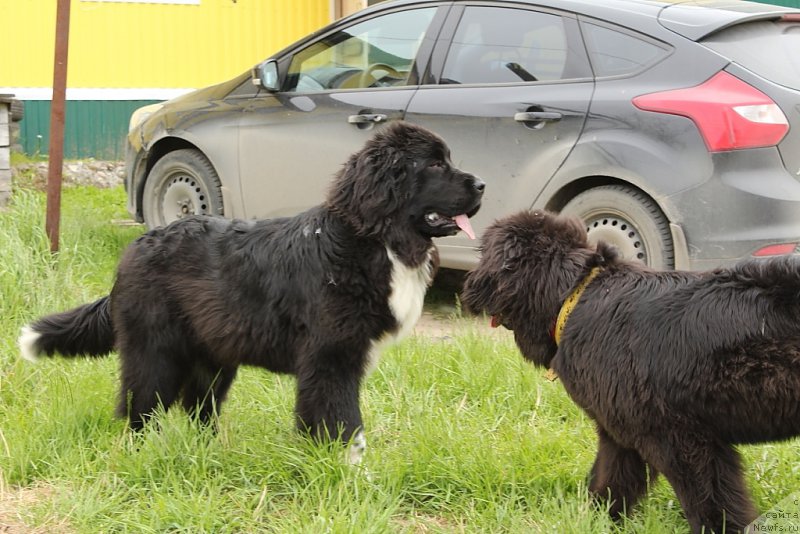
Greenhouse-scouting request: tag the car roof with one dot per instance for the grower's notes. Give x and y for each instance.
(693, 19)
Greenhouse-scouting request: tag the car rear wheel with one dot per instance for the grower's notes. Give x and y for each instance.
(182, 183)
(627, 219)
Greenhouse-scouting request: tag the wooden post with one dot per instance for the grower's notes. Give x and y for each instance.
(57, 108)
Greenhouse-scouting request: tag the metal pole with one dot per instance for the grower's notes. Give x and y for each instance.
(57, 105)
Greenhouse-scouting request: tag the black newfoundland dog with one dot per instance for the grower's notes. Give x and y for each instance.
(675, 368)
(316, 295)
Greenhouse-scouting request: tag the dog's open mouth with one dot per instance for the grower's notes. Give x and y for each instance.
(457, 222)
(498, 320)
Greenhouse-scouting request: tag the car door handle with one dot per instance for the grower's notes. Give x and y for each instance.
(537, 116)
(366, 118)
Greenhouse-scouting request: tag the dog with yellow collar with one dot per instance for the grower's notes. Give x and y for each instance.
(676, 368)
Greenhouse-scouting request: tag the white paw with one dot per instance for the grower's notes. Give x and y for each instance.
(355, 452)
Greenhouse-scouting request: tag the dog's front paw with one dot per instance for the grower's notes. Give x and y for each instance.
(358, 447)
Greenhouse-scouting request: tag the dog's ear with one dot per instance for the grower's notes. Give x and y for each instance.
(372, 186)
(513, 252)
(501, 254)
(478, 288)
(478, 291)
(380, 172)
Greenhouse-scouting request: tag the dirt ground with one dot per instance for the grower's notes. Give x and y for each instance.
(12, 500)
(435, 325)
(441, 317)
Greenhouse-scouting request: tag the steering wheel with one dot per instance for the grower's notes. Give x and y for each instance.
(368, 77)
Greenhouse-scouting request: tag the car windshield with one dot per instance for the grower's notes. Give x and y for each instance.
(770, 49)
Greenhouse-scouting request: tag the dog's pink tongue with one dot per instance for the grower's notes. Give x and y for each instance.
(463, 222)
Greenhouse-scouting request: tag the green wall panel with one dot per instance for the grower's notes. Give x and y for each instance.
(93, 128)
(787, 3)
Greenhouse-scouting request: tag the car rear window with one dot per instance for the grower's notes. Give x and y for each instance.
(770, 49)
(617, 53)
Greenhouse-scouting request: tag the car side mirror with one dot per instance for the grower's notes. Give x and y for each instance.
(265, 75)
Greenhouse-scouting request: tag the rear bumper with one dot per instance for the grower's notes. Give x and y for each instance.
(749, 202)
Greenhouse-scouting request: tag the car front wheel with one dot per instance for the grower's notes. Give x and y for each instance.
(627, 219)
(182, 183)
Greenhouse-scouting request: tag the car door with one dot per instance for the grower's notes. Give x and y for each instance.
(509, 89)
(336, 90)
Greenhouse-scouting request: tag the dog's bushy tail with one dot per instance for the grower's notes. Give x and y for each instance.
(85, 330)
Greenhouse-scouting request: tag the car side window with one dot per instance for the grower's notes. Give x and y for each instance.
(614, 53)
(506, 45)
(379, 52)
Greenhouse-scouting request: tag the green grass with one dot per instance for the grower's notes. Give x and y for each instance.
(21, 158)
(464, 436)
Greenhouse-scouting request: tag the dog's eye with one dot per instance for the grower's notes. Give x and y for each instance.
(436, 165)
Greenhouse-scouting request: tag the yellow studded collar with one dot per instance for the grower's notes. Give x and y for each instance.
(570, 303)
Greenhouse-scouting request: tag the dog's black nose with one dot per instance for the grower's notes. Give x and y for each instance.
(479, 185)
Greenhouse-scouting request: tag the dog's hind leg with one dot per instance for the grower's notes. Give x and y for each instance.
(618, 476)
(707, 478)
(149, 377)
(205, 389)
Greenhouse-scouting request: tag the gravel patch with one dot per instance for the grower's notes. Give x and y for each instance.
(80, 172)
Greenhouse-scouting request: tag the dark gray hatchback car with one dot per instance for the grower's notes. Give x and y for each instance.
(671, 128)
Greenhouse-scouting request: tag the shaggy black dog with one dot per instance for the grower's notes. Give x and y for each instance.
(316, 295)
(675, 368)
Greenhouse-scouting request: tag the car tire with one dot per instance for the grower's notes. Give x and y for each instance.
(628, 219)
(181, 183)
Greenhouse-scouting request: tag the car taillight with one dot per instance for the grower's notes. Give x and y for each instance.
(729, 113)
(776, 250)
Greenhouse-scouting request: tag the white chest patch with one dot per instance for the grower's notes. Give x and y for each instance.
(406, 296)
